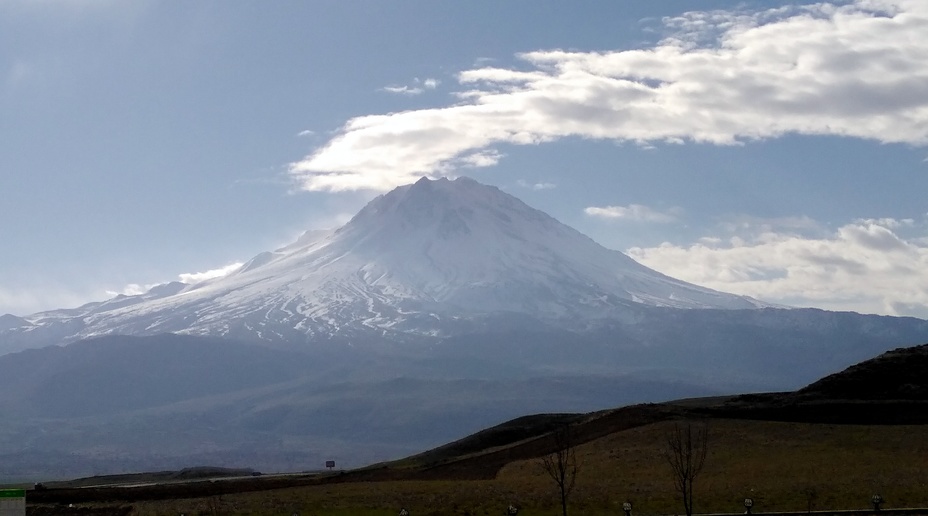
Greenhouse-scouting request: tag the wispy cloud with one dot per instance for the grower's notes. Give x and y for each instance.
(853, 70)
(42, 296)
(190, 278)
(536, 186)
(888, 222)
(635, 212)
(26, 301)
(306, 132)
(419, 86)
(404, 90)
(864, 266)
(132, 289)
(197, 277)
(801, 224)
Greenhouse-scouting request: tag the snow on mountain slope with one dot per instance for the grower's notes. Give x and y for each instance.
(412, 261)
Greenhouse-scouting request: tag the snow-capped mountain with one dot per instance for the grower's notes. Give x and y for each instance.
(423, 259)
(441, 308)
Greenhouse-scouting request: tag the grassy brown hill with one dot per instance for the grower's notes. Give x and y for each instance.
(900, 374)
(889, 389)
(772, 428)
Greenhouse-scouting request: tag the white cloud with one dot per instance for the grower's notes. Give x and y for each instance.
(419, 86)
(306, 132)
(536, 186)
(132, 289)
(863, 266)
(636, 212)
(403, 90)
(888, 222)
(486, 158)
(855, 70)
(197, 277)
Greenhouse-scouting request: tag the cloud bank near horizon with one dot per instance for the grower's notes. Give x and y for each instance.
(865, 266)
(723, 77)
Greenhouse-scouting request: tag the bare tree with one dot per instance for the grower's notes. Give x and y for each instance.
(685, 451)
(561, 465)
(810, 493)
(214, 505)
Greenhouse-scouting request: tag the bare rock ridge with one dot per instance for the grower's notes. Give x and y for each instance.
(427, 259)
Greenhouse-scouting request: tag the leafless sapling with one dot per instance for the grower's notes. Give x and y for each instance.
(561, 465)
(685, 449)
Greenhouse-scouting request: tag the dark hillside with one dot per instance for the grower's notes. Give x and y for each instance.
(463, 460)
(900, 374)
(507, 433)
(889, 389)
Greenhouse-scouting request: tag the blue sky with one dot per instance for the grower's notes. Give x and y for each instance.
(771, 149)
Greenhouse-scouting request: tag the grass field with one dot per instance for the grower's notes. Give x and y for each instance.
(777, 464)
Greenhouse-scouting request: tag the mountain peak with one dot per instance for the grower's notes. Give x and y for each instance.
(425, 203)
(420, 259)
(441, 210)
(426, 182)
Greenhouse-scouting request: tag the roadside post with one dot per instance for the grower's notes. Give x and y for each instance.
(627, 507)
(876, 500)
(748, 503)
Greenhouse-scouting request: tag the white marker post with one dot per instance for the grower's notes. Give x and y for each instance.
(12, 502)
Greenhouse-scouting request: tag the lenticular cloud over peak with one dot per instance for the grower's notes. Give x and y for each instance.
(857, 70)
